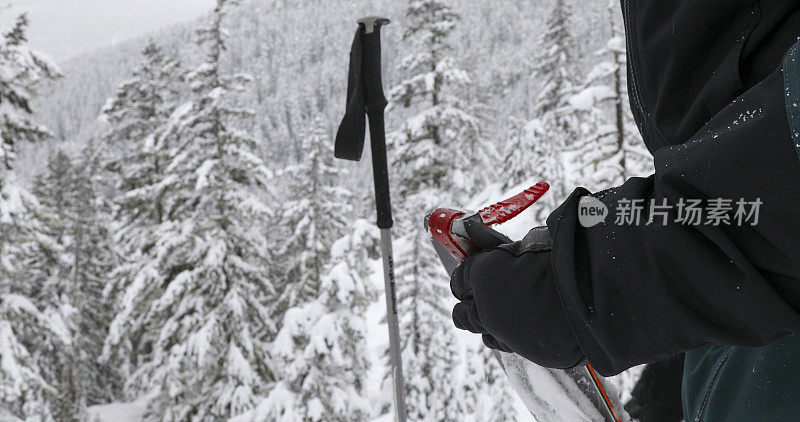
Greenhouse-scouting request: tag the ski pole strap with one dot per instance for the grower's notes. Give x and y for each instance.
(350, 136)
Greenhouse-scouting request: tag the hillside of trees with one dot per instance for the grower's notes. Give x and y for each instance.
(176, 232)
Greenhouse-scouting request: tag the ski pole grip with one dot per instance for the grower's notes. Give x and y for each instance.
(373, 82)
(375, 104)
(380, 170)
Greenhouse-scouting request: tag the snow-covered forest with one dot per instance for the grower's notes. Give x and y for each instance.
(177, 242)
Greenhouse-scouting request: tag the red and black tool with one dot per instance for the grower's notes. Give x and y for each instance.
(591, 396)
(450, 238)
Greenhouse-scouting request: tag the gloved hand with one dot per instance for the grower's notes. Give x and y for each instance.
(507, 294)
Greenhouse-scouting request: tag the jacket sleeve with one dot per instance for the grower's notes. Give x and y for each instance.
(636, 293)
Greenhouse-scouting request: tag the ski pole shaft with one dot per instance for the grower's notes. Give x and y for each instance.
(394, 328)
(380, 172)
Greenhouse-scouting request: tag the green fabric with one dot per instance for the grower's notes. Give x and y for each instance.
(743, 384)
(726, 383)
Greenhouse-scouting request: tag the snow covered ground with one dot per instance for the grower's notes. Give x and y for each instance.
(119, 412)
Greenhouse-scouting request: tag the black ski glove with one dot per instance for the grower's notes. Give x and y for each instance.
(507, 293)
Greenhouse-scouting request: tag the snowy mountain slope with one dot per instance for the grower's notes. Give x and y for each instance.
(298, 54)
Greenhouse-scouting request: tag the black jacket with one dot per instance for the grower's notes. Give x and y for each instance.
(707, 92)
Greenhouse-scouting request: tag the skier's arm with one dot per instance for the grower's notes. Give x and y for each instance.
(637, 293)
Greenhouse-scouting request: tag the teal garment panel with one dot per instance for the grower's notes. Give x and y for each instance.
(726, 383)
(791, 79)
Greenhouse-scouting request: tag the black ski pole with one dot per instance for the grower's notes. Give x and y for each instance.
(365, 96)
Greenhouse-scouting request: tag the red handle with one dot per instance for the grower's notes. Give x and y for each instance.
(440, 222)
(506, 210)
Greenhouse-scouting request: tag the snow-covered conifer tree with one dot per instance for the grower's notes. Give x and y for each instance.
(45, 260)
(556, 126)
(490, 397)
(211, 323)
(611, 149)
(517, 152)
(316, 214)
(141, 105)
(136, 115)
(440, 158)
(500, 407)
(321, 346)
(23, 389)
(555, 62)
(23, 71)
(533, 154)
(89, 249)
(65, 266)
(425, 328)
(442, 144)
(45, 272)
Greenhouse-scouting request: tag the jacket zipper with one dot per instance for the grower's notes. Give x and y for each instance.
(631, 62)
(711, 386)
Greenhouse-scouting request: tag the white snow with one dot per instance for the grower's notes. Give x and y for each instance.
(589, 97)
(119, 411)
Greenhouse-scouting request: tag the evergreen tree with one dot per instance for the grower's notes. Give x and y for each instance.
(444, 136)
(136, 115)
(439, 155)
(45, 271)
(534, 154)
(140, 106)
(543, 140)
(321, 346)
(65, 264)
(211, 323)
(425, 328)
(23, 389)
(555, 62)
(500, 405)
(316, 214)
(45, 260)
(547, 165)
(23, 71)
(610, 148)
(91, 261)
(517, 154)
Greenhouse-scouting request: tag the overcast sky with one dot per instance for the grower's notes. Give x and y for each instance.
(65, 28)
